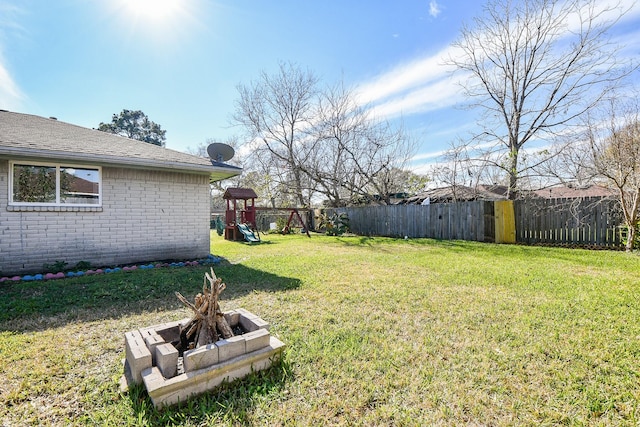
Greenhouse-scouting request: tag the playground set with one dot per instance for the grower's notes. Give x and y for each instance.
(240, 216)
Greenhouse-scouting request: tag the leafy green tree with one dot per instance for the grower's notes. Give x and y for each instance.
(135, 125)
(37, 184)
(34, 184)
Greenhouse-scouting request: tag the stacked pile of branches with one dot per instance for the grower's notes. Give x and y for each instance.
(208, 324)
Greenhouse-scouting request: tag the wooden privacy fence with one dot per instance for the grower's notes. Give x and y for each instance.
(448, 221)
(570, 222)
(586, 221)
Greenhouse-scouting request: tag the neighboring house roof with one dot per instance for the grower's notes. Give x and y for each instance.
(81, 185)
(458, 193)
(239, 193)
(25, 136)
(564, 191)
(498, 192)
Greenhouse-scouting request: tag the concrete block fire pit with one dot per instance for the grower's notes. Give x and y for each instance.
(152, 358)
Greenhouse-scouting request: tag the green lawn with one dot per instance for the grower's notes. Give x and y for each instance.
(379, 332)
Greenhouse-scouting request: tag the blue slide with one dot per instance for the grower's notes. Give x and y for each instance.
(249, 235)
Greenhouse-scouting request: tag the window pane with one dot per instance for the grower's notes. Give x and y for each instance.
(79, 185)
(34, 184)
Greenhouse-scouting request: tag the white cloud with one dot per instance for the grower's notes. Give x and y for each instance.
(11, 97)
(607, 11)
(428, 156)
(431, 97)
(405, 77)
(434, 8)
(422, 85)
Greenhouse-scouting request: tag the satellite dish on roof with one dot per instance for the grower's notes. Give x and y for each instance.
(220, 152)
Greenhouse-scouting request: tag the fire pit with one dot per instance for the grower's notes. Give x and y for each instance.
(174, 368)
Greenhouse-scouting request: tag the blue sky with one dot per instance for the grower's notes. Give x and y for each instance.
(180, 61)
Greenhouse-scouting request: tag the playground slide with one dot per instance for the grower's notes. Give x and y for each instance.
(249, 235)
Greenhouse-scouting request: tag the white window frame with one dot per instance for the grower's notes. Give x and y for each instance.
(58, 167)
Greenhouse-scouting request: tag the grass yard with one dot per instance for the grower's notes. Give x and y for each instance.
(379, 332)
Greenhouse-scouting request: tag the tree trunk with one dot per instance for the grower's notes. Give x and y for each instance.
(631, 238)
(630, 203)
(631, 217)
(513, 174)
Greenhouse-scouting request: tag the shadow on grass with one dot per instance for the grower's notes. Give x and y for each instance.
(231, 403)
(261, 242)
(367, 241)
(510, 252)
(28, 306)
(357, 240)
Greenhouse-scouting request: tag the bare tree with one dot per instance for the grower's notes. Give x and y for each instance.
(533, 68)
(569, 162)
(338, 123)
(356, 156)
(276, 111)
(460, 169)
(310, 142)
(615, 150)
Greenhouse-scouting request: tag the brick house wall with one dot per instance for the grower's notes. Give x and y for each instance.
(146, 215)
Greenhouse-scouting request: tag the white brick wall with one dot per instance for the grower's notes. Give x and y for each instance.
(145, 216)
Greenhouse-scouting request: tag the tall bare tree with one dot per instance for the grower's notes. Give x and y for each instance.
(356, 156)
(533, 68)
(306, 141)
(276, 112)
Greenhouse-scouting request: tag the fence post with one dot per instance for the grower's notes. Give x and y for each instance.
(505, 222)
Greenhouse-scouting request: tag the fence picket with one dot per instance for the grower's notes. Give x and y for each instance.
(588, 221)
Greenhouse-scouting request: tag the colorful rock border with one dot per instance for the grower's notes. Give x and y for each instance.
(210, 260)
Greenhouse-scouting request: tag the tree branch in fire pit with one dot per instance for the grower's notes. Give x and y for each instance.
(208, 323)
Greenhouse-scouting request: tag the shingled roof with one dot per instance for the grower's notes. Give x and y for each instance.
(239, 193)
(25, 136)
(458, 193)
(570, 192)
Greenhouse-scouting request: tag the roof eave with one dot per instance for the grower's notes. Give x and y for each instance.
(217, 172)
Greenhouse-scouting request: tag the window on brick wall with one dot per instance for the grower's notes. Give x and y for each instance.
(42, 184)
